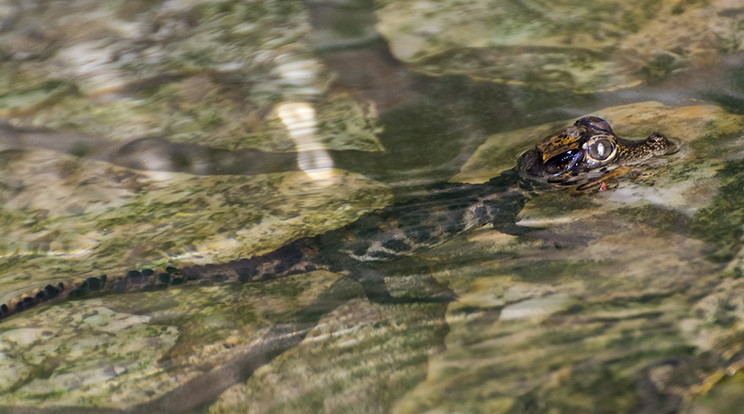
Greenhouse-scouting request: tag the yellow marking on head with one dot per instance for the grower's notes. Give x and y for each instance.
(564, 140)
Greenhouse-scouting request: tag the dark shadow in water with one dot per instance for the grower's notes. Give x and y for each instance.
(198, 394)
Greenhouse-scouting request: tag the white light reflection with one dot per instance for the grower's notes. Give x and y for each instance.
(312, 157)
(299, 78)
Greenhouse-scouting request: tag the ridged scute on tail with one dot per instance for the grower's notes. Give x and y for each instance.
(52, 293)
(295, 257)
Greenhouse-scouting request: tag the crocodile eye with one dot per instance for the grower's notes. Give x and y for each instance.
(600, 149)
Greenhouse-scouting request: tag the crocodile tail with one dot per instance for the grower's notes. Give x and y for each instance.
(296, 257)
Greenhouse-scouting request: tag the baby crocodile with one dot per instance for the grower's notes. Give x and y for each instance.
(580, 155)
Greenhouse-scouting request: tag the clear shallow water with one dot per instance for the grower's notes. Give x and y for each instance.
(626, 300)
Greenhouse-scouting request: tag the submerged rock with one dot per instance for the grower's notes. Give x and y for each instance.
(198, 72)
(570, 45)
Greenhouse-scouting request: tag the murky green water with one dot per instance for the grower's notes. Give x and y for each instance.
(143, 134)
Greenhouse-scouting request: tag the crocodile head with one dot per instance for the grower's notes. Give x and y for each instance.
(588, 152)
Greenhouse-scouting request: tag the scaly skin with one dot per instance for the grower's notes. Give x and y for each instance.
(580, 155)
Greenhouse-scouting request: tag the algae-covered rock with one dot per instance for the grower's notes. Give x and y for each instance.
(96, 353)
(360, 358)
(93, 350)
(568, 45)
(200, 72)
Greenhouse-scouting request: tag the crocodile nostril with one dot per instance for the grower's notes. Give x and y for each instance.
(660, 144)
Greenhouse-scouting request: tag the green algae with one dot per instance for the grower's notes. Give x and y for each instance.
(20, 101)
(660, 67)
(377, 358)
(564, 46)
(57, 372)
(554, 270)
(720, 223)
(203, 73)
(155, 218)
(660, 220)
(719, 137)
(212, 325)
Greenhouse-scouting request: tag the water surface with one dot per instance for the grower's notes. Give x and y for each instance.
(144, 134)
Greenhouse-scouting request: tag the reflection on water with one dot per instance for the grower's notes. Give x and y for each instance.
(171, 133)
(312, 157)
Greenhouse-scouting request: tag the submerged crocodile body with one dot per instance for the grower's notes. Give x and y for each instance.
(580, 155)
